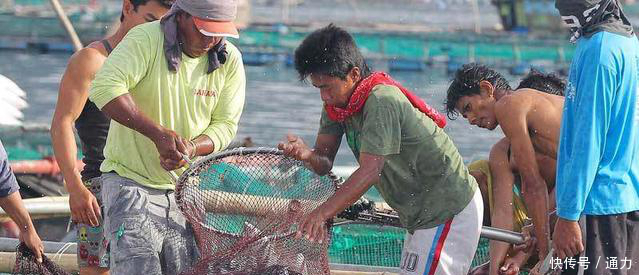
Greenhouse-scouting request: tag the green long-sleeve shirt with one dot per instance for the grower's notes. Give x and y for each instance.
(189, 101)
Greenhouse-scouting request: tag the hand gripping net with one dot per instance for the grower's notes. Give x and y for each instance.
(244, 206)
(26, 264)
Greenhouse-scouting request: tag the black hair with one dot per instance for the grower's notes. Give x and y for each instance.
(466, 83)
(547, 83)
(136, 3)
(330, 51)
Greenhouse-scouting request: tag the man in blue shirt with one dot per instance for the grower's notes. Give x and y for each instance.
(598, 158)
(11, 202)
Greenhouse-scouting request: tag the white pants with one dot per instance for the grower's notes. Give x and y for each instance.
(447, 249)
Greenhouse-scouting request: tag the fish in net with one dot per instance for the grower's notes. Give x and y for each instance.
(26, 264)
(244, 205)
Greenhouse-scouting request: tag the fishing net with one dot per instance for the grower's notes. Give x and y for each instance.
(372, 235)
(26, 264)
(244, 205)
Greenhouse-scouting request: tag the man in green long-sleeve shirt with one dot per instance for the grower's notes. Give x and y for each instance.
(172, 88)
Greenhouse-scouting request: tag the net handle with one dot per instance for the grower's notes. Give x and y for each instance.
(172, 172)
(240, 151)
(233, 152)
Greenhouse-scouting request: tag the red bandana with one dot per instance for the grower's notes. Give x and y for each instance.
(363, 90)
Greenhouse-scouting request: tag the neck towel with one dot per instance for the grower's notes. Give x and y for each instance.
(363, 90)
(173, 48)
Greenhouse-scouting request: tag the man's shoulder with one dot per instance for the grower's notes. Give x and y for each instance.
(232, 51)
(609, 40)
(530, 94)
(150, 30)
(515, 104)
(150, 27)
(386, 93)
(515, 99)
(606, 49)
(230, 47)
(88, 59)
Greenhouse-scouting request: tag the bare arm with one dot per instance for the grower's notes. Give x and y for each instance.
(73, 94)
(502, 212)
(548, 170)
(552, 205)
(313, 225)
(13, 206)
(170, 146)
(356, 185)
(326, 147)
(514, 123)
(203, 145)
(321, 158)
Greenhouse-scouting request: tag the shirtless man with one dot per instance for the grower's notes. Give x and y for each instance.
(530, 119)
(92, 126)
(499, 181)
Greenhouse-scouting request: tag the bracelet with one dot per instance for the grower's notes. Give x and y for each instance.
(194, 149)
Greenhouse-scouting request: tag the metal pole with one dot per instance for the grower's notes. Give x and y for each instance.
(10, 244)
(502, 235)
(77, 45)
(44, 207)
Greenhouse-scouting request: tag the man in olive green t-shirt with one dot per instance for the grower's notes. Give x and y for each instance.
(173, 88)
(401, 149)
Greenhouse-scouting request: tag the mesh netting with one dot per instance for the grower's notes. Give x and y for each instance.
(243, 206)
(374, 245)
(26, 264)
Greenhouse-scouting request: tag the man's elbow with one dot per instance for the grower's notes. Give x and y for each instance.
(58, 123)
(374, 176)
(55, 125)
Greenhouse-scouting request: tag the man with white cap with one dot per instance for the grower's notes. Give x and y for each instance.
(172, 88)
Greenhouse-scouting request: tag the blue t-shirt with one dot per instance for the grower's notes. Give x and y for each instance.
(8, 182)
(598, 157)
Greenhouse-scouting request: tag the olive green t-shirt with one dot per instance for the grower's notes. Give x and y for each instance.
(424, 178)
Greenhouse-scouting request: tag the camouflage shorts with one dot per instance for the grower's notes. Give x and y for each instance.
(147, 232)
(93, 247)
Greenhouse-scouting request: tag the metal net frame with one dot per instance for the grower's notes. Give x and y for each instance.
(244, 205)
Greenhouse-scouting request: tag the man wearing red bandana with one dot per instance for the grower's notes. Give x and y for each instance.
(401, 148)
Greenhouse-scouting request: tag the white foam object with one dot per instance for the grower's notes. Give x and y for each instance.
(12, 101)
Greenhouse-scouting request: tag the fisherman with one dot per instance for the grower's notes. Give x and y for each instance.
(530, 119)
(401, 149)
(598, 164)
(11, 203)
(73, 107)
(174, 88)
(500, 183)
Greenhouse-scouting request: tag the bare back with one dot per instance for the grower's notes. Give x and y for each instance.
(543, 118)
(544, 121)
(531, 121)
